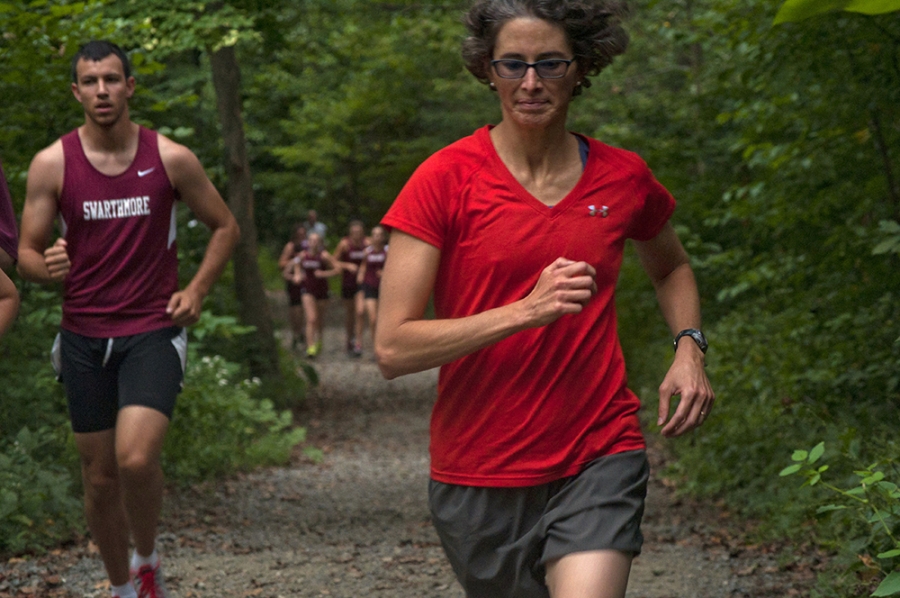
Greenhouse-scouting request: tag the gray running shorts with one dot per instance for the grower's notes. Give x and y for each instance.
(498, 540)
(103, 375)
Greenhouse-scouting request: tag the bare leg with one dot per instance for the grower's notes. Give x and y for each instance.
(295, 313)
(595, 574)
(360, 315)
(321, 308)
(140, 432)
(311, 312)
(104, 508)
(372, 311)
(350, 321)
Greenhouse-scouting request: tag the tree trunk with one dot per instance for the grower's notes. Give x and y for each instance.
(254, 307)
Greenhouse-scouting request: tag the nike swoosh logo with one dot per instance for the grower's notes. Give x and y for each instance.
(143, 173)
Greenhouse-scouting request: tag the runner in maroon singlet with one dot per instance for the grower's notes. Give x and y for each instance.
(349, 254)
(317, 266)
(120, 354)
(288, 262)
(9, 297)
(369, 276)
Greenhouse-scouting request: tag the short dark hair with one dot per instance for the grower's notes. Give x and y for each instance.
(97, 50)
(593, 28)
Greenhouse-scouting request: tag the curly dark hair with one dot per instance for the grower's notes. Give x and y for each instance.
(594, 28)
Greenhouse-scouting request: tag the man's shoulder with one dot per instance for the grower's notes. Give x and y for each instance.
(170, 149)
(49, 160)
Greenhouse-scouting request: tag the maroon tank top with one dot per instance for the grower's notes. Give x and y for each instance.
(9, 235)
(354, 254)
(374, 265)
(310, 263)
(120, 233)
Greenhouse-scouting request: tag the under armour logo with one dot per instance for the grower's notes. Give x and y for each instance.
(143, 173)
(603, 211)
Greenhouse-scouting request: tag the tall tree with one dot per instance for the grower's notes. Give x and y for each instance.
(254, 307)
(215, 28)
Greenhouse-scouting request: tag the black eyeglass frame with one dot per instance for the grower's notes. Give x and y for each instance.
(529, 65)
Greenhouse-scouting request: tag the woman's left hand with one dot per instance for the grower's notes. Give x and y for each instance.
(687, 379)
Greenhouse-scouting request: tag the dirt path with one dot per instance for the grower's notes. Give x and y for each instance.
(356, 524)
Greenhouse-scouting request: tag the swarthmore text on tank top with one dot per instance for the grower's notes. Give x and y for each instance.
(120, 235)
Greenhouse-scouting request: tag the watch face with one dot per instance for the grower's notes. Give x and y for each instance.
(695, 334)
(700, 338)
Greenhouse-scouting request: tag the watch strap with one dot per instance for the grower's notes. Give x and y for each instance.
(695, 334)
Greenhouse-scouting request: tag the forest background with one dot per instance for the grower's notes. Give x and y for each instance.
(780, 143)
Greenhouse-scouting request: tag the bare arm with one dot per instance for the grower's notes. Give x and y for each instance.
(197, 191)
(9, 302)
(361, 272)
(667, 264)
(333, 268)
(345, 266)
(38, 262)
(407, 343)
(6, 261)
(287, 254)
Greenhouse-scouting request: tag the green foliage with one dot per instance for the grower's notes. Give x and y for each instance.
(221, 422)
(220, 426)
(37, 503)
(798, 10)
(872, 500)
(775, 142)
(31, 396)
(890, 231)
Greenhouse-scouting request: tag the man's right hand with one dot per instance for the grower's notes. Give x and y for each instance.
(56, 258)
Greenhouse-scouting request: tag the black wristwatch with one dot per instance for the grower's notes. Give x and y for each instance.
(695, 334)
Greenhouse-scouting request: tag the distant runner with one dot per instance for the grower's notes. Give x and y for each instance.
(289, 264)
(369, 276)
(317, 266)
(349, 254)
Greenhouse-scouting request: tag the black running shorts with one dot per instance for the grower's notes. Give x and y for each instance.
(499, 540)
(369, 292)
(103, 375)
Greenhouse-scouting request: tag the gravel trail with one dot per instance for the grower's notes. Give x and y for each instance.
(356, 524)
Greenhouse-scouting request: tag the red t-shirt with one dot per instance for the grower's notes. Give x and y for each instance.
(120, 235)
(541, 404)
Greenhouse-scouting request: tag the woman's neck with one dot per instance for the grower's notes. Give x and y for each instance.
(537, 152)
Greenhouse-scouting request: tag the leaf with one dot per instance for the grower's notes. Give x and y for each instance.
(817, 452)
(799, 456)
(875, 477)
(829, 509)
(890, 586)
(889, 554)
(887, 246)
(799, 10)
(790, 470)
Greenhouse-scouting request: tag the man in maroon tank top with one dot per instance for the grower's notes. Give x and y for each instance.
(120, 354)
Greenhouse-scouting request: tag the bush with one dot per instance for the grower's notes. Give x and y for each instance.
(867, 513)
(219, 427)
(38, 506)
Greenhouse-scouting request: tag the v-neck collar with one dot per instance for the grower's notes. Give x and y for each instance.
(499, 166)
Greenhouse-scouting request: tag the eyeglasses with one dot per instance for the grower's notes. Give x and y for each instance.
(552, 68)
